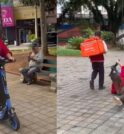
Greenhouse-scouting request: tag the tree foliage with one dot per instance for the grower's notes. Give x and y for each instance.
(114, 8)
(49, 4)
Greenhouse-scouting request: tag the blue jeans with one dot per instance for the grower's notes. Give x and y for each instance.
(29, 73)
(98, 68)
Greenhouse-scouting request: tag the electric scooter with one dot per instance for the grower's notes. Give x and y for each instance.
(7, 112)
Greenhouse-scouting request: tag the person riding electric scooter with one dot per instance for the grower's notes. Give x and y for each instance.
(6, 110)
(117, 87)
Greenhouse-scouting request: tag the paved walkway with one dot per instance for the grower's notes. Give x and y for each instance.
(22, 47)
(35, 105)
(81, 110)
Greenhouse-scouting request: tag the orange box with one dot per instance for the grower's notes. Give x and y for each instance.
(92, 46)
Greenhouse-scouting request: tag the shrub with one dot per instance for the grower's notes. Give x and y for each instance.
(31, 37)
(86, 33)
(75, 42)
(107, 36)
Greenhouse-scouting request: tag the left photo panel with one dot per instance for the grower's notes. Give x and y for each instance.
(28, 66)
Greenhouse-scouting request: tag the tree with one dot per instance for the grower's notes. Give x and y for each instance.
(68, 8)
(114, 8)
(45, 5)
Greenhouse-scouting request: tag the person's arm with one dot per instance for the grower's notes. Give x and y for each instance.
(105, 46)
(5, 51)
(119, 63)
(10, 57)
(38, 58)
(32, 57)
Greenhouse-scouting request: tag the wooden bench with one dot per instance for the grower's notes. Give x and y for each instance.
(48, 71)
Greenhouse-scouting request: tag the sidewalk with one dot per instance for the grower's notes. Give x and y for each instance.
(21, 47)
(81, 110)
(35, 106)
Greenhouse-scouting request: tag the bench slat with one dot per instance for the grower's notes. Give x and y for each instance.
(49, 65)
(44, 72)
(50, 58)
(43, 77)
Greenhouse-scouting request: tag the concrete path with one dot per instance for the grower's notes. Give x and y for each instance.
(35, 106)
(81, 110)
(22, 47)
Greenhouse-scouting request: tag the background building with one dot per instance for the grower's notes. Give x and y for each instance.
(26, 21)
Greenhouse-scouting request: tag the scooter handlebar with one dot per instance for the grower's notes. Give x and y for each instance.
(114, 66)
(5, 60)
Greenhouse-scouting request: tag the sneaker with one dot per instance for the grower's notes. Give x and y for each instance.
(91, 85)
(102, 87)
(117, 100)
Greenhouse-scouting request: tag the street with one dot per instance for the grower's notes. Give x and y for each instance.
(81, 110)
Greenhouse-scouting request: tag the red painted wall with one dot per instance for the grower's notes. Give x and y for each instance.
(69, 33)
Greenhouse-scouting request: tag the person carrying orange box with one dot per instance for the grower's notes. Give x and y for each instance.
(98, 67)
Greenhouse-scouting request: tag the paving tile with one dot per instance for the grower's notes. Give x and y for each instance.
(89, 110)
(35, 107)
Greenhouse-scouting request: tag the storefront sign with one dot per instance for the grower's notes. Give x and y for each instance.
(7, 16)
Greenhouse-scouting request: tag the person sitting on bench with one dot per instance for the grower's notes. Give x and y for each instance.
(35, 62)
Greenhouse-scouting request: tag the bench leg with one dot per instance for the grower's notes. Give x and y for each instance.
(53, 87)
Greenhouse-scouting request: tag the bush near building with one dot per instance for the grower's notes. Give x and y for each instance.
(74, 42)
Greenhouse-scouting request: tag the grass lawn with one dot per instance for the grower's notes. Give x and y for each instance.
(61, 51)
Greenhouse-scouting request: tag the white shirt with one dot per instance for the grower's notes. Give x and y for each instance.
(39, 60)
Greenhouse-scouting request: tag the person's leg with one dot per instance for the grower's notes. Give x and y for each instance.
(101, 75)
(94, 74)
(24, 72)
(3, 97)
(30, 74)
(117, 84)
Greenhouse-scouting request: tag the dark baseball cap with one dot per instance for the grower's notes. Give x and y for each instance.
(35, 43)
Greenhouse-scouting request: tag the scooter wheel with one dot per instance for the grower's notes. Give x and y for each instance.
(14, 122)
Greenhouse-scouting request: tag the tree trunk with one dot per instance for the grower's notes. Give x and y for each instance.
(114, 22)
(43, 25)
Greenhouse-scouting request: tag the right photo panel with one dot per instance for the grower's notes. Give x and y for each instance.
(90, 67)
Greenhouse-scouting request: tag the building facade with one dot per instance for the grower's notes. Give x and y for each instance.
(26, 21)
